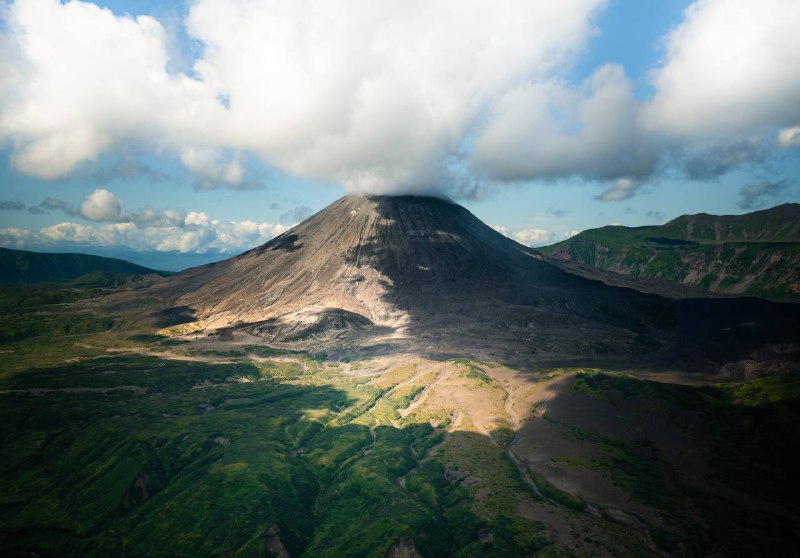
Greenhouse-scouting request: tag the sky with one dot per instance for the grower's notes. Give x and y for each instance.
(176, 133)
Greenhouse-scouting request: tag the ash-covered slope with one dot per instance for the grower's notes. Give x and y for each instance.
(424, 273)
(409, 268)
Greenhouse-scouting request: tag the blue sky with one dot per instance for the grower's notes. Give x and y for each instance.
(211, 126)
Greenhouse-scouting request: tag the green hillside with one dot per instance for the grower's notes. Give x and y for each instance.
(22, 267)
(756, 254)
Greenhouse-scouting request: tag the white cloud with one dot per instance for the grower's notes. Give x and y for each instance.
(12, 237)
(148, 229)
(244, 234)
(731, 67)
(502, 230)
(570, 234)
(622, 189)
(73, 233)
(376, 95)
(86, 80)
(384, 96)
(546, 130)
(789, 137)
(533, 237)
(151, 217)
(101, 205)
(196, 220)
(528, 237)
(211, 236)
(214, 168)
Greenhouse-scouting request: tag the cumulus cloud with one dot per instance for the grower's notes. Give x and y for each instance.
(101, 205)
(12, 237)
(215, 168)
(376, 96)
(531, 237)
(789, 137)
(148, 229)
(376, 99)
(502, 230)
(88, 80)
(622, 189)
(729, 68)
(151, 217)
(547, 130)
(204, 236)
(754, 196)
(391, 96)
(655, 215)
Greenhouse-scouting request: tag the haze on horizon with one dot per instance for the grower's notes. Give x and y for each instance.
(133, 129)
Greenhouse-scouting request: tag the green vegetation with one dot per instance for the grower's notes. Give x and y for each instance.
(206, 457)
(757, 253)
(553, 494)
(21, 267)
(127, 454)
(121, 441)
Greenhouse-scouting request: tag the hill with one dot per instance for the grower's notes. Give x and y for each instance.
(755, 254)
(22, 267)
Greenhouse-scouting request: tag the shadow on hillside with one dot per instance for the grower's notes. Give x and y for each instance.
(285, 242)
(174, 315)
(715, 461)
(458, 278)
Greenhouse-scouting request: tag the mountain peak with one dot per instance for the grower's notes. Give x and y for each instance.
(410, 271)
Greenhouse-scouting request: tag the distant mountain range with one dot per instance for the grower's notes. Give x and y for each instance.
(755, 254)
(22, 267)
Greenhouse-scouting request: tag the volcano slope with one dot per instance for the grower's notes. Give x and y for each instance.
(393, 378)
(377, 274)
(413, 272)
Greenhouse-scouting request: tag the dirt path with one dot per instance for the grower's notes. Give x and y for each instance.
(420, 398)
(516, 425)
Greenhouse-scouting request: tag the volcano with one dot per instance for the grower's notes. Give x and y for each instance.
(425, 274)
